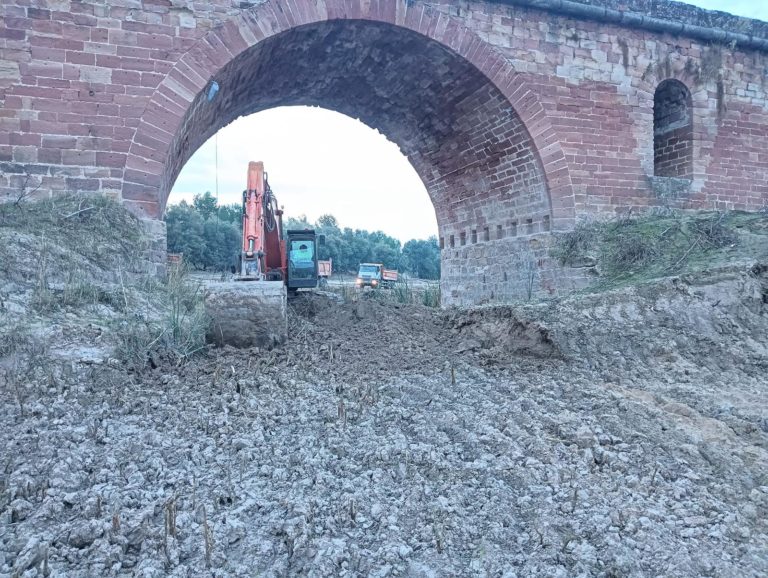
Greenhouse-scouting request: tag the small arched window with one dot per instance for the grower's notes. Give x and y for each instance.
(673, 130)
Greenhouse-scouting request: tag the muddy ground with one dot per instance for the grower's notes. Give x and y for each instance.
(624, 434)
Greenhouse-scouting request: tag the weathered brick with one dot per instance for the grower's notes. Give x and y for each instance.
(49, 155)
(110, 159)
(76, 185)
(515, 120)
(75, 157)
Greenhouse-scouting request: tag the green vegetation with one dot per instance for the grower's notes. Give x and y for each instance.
(95, 229)
(422, 258)
(635, 249)
(172, 326)
(209, 237)
(350, 247)
(83, 260)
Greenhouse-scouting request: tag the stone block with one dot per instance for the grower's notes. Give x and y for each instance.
(247, 314)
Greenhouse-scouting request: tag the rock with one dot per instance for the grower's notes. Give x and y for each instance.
(468, 345)
(419, 570)
(83, 534)
(584, 437)
(30, 556)
(20, 510)
(246, 313)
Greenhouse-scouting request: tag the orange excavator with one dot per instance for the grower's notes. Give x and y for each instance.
(268, 254)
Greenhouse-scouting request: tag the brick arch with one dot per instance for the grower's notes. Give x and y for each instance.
(673, 130)
(704, 128)
(147, 177)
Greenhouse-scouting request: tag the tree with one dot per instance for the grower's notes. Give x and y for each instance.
(387, 255)
(222, 245)
(215, 243)
(205, 204)
(231, 214)
(422, 258)
(292, 223)
(205, 244)
(328, 224)
(185, 229)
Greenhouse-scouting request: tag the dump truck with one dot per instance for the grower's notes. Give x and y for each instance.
(324, 271)
(375, 275)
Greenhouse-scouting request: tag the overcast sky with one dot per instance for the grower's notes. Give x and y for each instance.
(321, 162)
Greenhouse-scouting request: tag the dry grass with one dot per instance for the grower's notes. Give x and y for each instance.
(403, 292)
(171, 325)
(657, 244)
(26, 364)
(94, 227)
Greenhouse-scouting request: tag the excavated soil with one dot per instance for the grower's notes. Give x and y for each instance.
(616, 435)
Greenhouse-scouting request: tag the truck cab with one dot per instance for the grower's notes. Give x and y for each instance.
(374, 275)
(301, 247)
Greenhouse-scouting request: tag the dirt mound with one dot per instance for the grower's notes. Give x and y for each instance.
(716, 319)
(366, 336)
(499, 333)
(368, 446)
(621, 434)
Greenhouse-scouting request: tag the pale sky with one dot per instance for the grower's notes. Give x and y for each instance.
(320, 161)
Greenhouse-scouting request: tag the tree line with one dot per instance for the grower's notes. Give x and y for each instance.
(209, 235)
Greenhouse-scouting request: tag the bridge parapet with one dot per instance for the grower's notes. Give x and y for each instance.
(661, 16)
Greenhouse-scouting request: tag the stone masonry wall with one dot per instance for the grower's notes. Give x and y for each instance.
(528, 121)
(601, 97)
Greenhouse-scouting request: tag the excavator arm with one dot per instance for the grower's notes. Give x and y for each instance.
(263, 253)
(254, 314)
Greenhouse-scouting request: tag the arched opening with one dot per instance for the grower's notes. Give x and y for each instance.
(329, 172)
(444, 107)
(673, 130)
(459, 132)
(319, 162)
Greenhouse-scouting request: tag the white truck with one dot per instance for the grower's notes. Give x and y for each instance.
(375, 275)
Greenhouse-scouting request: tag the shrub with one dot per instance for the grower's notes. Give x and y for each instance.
(572, 246)
(430, 297)
(173, 327)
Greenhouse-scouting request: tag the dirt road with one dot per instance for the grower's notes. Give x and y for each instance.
(620, 436)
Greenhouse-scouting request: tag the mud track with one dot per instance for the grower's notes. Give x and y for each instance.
(625, 435)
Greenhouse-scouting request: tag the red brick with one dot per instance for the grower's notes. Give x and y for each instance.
(141, 64)
(49, 156)
(82, 185)
(59, 142)
(25, 139)
(156, 41)
(12, 34)
(110, 159)
(76, 57)
(144, 210)
(75, 157)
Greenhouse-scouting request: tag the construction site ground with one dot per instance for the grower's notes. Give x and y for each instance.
(623, 433)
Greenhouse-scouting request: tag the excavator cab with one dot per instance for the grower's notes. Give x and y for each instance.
(301, 247)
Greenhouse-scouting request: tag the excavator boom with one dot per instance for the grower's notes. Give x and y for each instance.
(255, 314)
(263, 255)
(253, 218)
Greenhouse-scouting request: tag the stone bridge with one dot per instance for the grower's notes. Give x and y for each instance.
(520, 116)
